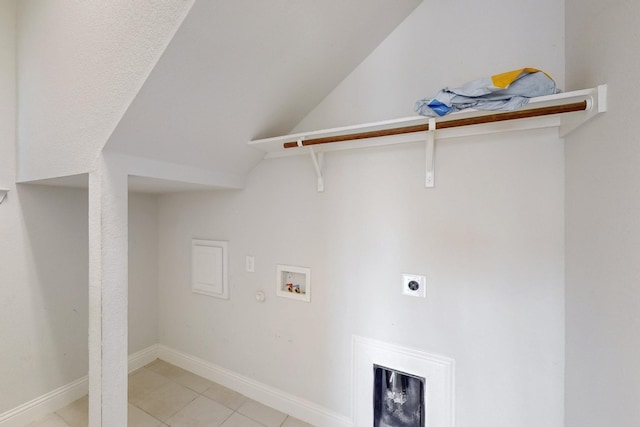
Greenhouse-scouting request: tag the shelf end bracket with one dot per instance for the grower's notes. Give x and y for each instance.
(430, 156)
(596, 104)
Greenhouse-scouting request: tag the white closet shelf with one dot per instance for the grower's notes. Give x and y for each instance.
(565, 111)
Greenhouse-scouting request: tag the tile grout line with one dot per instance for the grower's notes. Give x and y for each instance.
(199, 394)
(210, 385)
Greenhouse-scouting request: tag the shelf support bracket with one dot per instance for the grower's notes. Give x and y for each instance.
(3, 194)
(596, 104)
(318, 164)
(430, 156)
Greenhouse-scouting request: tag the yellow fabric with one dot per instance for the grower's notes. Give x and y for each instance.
(505, 79)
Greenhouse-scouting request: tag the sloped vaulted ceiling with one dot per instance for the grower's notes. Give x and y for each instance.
(244, 69)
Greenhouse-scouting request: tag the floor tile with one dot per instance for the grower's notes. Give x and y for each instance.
(294, 422)
(163, 395)
(239, 420)
(166, 400)
(138, 418)
(261, 413)
(144, 382)
(51, 420)
(76, 414)
(225, 396)
(194, 382)
(165, 369)
(202, 412)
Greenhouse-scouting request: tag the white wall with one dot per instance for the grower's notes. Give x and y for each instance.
(43, 320)
(7, 92)
(80, 66)
(445, 43)
(492, 253)
(489, 237)
(603, 230)
(143, 271)
(43, 264)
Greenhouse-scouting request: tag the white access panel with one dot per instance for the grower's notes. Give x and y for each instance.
(209, 263)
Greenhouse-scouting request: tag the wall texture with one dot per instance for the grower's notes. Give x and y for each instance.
(43, 321)
(7, 92)
(489, 238)
(445, 44)
(602, 211)
(43, 264)
(491, 251)
(80, 66)
(143, 271)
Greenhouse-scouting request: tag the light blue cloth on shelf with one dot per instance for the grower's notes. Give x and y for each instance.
(483, 94)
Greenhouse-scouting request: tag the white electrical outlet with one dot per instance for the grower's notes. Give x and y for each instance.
(414, 285)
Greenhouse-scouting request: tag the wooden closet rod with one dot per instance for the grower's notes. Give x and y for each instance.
(490, 118)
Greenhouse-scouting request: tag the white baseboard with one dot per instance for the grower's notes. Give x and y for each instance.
(300, 408)
(45, 404)
(143, 357)
(295, 406)
(62, 396)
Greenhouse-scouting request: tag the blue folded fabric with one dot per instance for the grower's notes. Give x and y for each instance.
(491, 93)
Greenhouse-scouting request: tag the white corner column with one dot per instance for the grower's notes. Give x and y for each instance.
(108, 295)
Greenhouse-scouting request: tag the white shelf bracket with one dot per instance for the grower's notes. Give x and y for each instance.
(318, 164)
(3, 194)
(430, 156)
(596, 104)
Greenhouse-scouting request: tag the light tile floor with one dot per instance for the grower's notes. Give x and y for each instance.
(161, 394)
